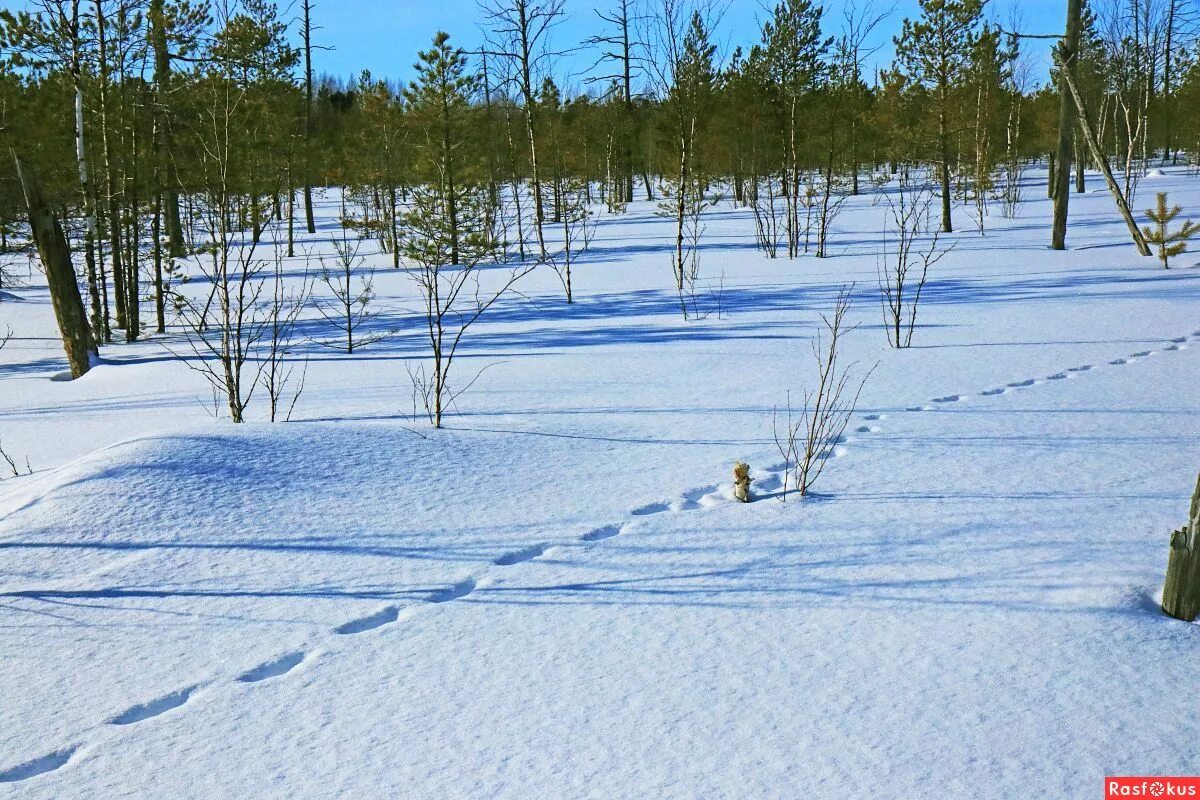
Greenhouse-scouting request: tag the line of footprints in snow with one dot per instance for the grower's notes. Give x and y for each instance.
(767, 480)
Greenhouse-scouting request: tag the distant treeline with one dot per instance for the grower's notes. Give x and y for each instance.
(140, 116)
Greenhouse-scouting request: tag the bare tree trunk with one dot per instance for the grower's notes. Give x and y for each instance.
(627, 76)
(1066, 125)
(169, 180)
(99, 319)
(793, 169)
(132, 258)
(1080, 166)
(680, 208)
(55, 253)
(395, 228)
(160, 305)
(539, 210)
(944, 145)
(1122, 205)
(516, 183)
(114, 211)
(308, 100)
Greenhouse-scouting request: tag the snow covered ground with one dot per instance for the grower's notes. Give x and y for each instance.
(556, 597)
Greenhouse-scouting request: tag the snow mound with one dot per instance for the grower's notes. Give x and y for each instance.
(1156, 173)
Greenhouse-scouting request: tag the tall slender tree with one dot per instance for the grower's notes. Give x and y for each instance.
(796, 51)
(1068, 50)
(622, 48)
(935, 50)
(519, 35)
(447, 223)
(306, 29)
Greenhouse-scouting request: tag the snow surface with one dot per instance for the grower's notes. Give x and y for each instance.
(556, 596)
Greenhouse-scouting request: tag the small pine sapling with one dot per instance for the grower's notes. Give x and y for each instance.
(1169, 243)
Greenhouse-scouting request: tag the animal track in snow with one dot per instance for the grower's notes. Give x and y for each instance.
(1058, 376)
(652, 508)
(770, 483)
(1171, 348)
(38, 766)
(1022, 384)
(145, 711)
(1084, 368)
(520, 556)
(950, 398)
(992, 392)
(274, 668)
(867, 429)
(369, 623)
(600, 534)
(693, 499)
(872, 417)
(1142, 354)
(1118, 362)
(455, 592)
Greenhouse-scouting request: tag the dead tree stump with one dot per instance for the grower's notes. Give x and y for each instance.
(55, 252)
(1181, 591)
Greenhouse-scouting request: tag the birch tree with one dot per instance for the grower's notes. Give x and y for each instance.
(519, 35)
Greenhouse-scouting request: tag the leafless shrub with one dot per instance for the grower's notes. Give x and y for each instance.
(11, 464)
(422, 392)
(278, 370)
(350, 306)
(222, 352)
(807, 200)
(687, 206)
(833, 198)
(446, 264)
(10, 277)
(432, 396)
(1011, 191)
(5, 338)
(579, 228)
(769, 218)
(806, 437)
(903, 272)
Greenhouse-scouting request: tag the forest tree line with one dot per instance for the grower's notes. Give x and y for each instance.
(161, 127)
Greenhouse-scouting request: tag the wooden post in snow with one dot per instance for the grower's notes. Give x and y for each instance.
(1181, 591)
(60, 274)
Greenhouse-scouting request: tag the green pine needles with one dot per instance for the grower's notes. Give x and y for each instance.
(1169, 244)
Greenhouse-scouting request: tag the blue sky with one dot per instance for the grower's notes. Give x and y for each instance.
(385, 35)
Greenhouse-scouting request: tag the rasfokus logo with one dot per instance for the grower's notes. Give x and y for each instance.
(1156, 786)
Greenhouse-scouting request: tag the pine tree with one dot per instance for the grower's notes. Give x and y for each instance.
(447, 208)
(936, 51)
(692, 81)
(796, 53)
(1169, 243)
(447, 225)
